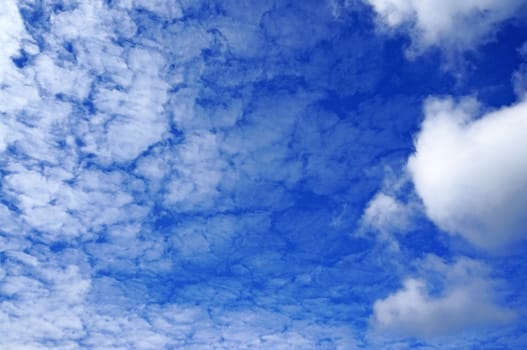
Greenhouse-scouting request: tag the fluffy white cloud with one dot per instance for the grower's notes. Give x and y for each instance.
(470, 173)
(465, 302)
(386, 214)
(449, 23)
(11, 33)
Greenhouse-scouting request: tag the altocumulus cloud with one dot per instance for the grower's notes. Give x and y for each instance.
(145, 148)
(205, 175)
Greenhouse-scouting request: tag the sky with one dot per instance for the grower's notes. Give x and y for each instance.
(258, 174)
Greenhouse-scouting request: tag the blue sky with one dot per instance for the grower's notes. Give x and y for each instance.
(330, 174)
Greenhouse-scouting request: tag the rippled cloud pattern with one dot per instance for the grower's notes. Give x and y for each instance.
(180, 174)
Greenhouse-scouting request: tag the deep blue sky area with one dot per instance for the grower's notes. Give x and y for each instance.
(330, 174)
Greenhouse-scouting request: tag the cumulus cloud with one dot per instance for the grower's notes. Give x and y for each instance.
(447, 23)
(386, 215)
(465, 301)
(470, 172)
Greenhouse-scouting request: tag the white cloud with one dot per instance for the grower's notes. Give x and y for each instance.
(470, 173)
(54, 79)
(12, 31)
(519, 77)
(198, 171)
(44, 304)
(448, 23)
(386, 214)
(170, 8)
(466, 302)
(92, 97)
